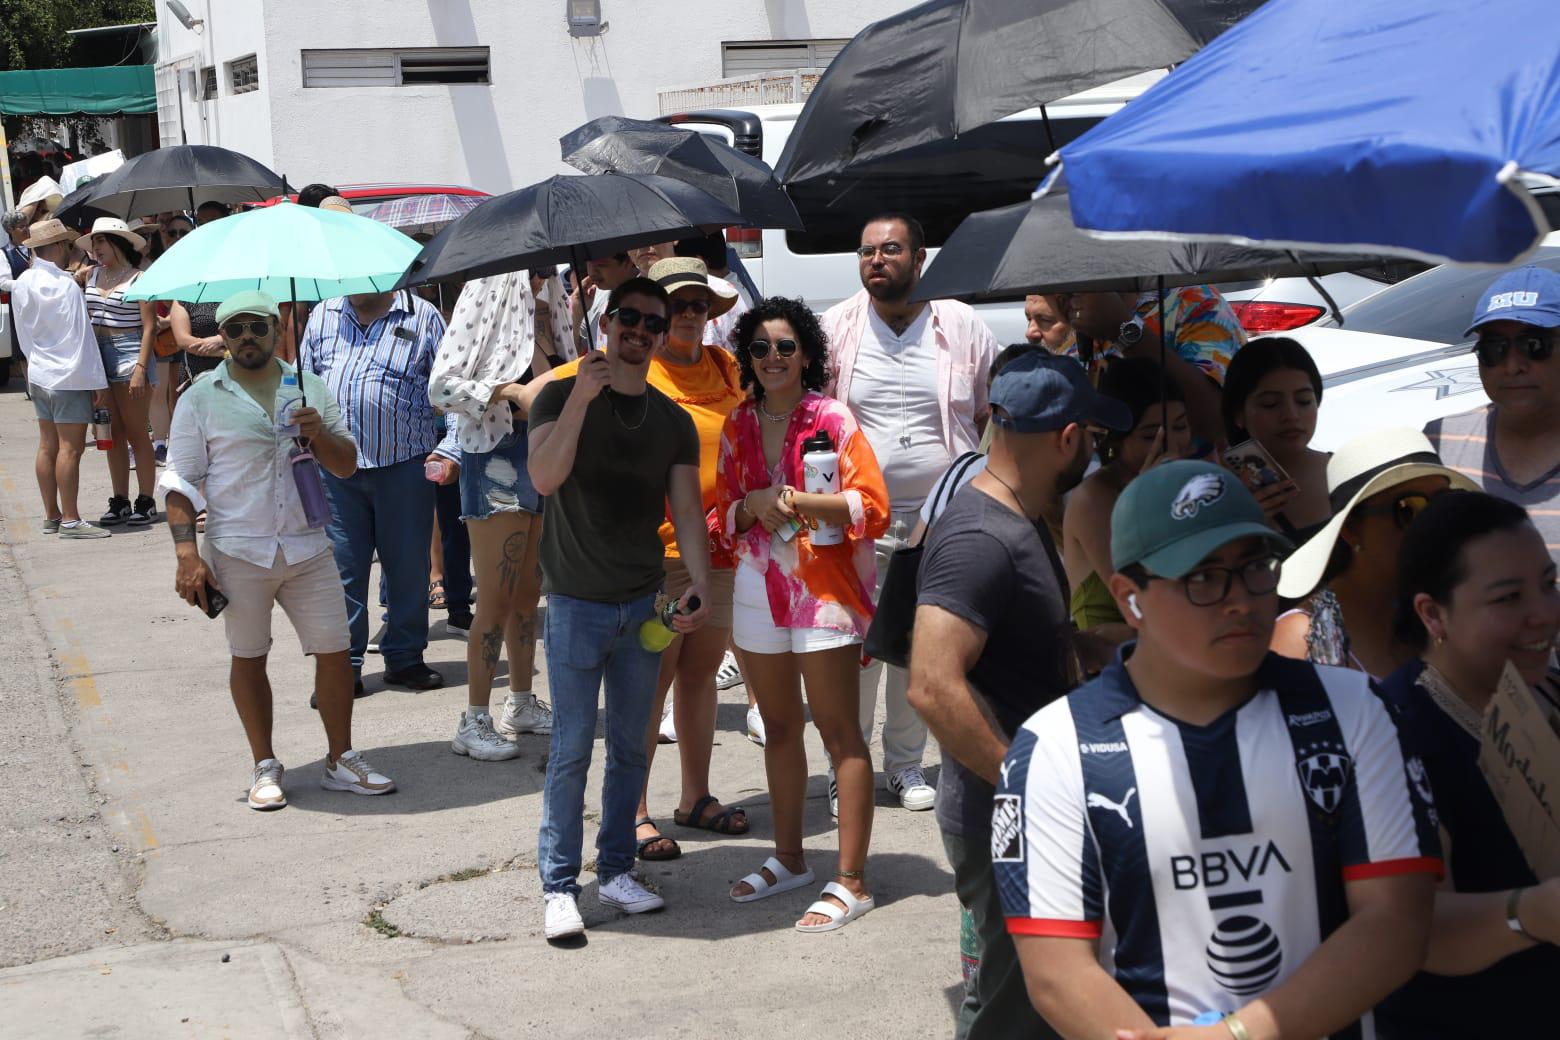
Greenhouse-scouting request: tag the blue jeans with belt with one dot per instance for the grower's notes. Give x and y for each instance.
(589, 645)
(388, 508)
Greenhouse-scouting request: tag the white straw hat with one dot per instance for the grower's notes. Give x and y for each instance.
(111, 226)
(1367, 465)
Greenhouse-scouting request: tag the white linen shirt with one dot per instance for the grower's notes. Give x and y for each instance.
(491, 340)
(53, 329)
(224, 453)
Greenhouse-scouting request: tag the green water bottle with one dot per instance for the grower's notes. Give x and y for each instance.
(657, 633)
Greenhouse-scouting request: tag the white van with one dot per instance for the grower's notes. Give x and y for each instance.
(817, 265)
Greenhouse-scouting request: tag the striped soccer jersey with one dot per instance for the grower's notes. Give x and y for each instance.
(1209, 861)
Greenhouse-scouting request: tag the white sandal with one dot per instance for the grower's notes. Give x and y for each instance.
(785, 881)
(838, 918)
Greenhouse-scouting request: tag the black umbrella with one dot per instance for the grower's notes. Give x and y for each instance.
(177, 178)
(567, 220)
(614, 144)
(1034, 247)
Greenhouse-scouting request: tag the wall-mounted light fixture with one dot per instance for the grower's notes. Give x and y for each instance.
(186, 19)
(584, 17)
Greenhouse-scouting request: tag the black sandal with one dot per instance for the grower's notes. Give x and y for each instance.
(720, 823)
(645, 843)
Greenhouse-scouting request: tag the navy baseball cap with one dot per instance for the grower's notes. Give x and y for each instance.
(1040, 393)
(1530, 295)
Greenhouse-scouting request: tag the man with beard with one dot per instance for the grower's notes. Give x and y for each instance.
(613, 456)
(993, 641)
(227, 456)
(914, 375)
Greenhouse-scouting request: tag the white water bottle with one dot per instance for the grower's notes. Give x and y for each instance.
(821, 476)
(288, 394)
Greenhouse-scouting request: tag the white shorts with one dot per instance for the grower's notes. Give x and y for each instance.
(753, 628)
(310, 593)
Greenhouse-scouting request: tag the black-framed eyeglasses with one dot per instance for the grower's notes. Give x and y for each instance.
(1533, 345)
(888, 249)
(759, 348)
(1209, 586)
(695, 305)
(630, 317)
(235, 329)
(1402, 509)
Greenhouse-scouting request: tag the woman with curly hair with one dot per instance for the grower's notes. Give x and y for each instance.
(801, 609)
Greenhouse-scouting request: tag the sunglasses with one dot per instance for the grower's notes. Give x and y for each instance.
(630, 317)
(696, 306)
(759, 348)
(172, 233)
(1402, 509)
(235, 329)
(1535, 346)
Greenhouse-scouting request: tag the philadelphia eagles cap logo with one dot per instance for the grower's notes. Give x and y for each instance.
(1202, 490)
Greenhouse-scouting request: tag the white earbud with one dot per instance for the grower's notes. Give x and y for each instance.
(1132, 606)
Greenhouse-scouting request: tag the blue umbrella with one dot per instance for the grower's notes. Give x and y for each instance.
(1374, 125)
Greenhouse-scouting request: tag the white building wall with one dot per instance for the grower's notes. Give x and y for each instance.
(497, 136)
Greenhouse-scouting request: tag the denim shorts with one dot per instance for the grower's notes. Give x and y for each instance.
(121, 353)
(497, 481)
(61, 406)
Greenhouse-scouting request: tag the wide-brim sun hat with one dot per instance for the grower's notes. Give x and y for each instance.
(679, 272)
(115, 227)
(1365, 466)
(48, 232)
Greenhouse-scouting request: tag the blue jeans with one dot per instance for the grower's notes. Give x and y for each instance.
(389, 508)
(587, 643)
(457, 549)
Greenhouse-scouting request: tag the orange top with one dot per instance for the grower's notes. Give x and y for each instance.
(708, 390)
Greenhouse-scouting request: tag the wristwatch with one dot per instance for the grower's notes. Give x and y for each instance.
(1514, 919)
(1131, 332)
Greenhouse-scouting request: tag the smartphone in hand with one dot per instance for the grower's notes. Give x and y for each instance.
(216, 602)
(1255, 467)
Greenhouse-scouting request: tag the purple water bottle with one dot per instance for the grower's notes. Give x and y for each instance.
(311, 486)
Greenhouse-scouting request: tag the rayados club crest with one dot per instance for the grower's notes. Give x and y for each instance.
(1325, 771)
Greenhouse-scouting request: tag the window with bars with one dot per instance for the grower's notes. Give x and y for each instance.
(208, 83)
(750, 57)
(411, 66)
(243, 74)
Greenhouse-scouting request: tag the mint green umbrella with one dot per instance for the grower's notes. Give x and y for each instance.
(290, 251)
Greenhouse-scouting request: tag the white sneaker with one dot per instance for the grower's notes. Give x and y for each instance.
(728, 674)
(834, 795)
(561, 919)
(668, 730)
(476, 738)
(523, 713)
(914, 792)
(755, 721)
(353, 773)
(626, 893)
(265, 789)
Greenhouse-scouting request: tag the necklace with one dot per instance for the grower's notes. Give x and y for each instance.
(1011, 490)
(767, 414)
(1440, 690)
(644, 412)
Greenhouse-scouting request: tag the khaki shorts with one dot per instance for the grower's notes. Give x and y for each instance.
(719, 598)
(310, 593)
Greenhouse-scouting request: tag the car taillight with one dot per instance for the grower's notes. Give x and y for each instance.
(748, 242)
(1260, 316)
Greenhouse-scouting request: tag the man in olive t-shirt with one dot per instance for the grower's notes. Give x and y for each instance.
(613, 455)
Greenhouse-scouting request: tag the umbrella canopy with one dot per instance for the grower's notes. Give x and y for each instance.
(614, 144)
(1287, 130)
(177, 178)
(424, 214)
(290, 251)
(568, 220)
(1033, 247)
(941, 69)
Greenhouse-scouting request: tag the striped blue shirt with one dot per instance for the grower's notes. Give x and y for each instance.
(378, 374)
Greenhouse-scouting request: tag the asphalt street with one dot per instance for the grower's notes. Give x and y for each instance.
(140, 897)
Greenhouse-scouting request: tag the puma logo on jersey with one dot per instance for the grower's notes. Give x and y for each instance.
(1099, 801)
(1006, 765)
(1202, 490)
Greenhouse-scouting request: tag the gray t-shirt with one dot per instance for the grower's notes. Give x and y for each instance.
(1466, 443)
(991, 566)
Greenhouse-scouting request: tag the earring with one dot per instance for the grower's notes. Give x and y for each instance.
(1440, 641)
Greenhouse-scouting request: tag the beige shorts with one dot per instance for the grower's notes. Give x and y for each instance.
(719, 591)
(310, 593)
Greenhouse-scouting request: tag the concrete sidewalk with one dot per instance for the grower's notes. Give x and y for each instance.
(418, 914)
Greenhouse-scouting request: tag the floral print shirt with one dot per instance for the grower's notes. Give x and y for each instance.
(1199, 325)
(809, 586)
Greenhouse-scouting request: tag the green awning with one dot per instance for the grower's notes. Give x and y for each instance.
(112, 91)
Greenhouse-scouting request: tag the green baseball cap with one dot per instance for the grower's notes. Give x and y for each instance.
(1171, 518)
(250, 301)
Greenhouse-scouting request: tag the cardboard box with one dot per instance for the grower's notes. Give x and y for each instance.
(1519, 753)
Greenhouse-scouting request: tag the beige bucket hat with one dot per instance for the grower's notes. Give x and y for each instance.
(679, 272)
